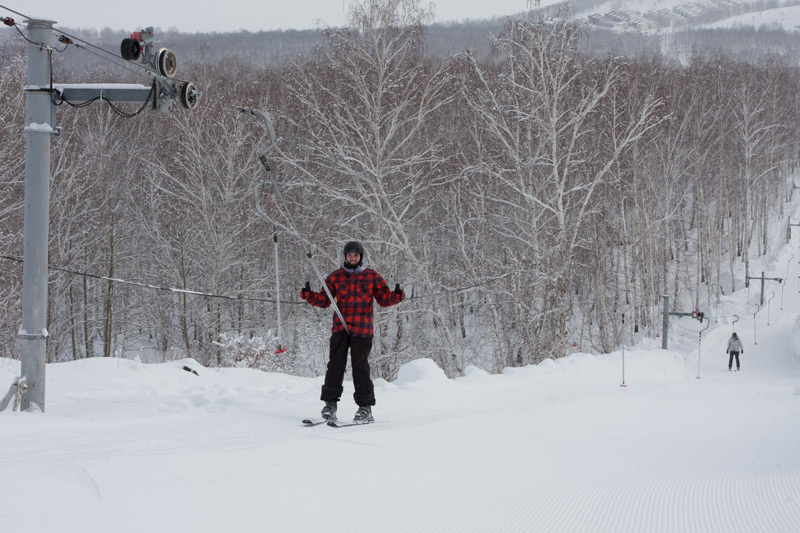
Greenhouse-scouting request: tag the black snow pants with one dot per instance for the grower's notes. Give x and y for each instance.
(337, 364)
(730, 360)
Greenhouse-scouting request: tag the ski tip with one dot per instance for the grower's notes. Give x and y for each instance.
(280, 350)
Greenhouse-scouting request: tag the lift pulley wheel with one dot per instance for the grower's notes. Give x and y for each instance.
(167, 63)
(190, 96)
(130, 49)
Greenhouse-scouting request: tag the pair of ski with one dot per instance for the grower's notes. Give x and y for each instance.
(335, 423)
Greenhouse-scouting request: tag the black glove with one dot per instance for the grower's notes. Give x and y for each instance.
(397, 290)
(305, 292)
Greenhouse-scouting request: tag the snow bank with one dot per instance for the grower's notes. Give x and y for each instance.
(473, 372)
(421, 370)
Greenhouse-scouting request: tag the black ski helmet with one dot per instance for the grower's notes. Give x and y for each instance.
(354, 247)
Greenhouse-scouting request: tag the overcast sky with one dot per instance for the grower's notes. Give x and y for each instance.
(228, 15)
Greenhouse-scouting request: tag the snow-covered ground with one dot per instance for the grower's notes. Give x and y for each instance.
(786, 17)
(558, 447)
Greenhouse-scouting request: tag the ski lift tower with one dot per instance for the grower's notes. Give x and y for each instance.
(40, 125)
(698, 315)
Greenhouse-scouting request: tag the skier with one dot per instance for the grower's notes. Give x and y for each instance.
(354, 287)
(734, 349)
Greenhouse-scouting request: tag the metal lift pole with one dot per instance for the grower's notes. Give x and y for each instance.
(40, 125)
(38, 129)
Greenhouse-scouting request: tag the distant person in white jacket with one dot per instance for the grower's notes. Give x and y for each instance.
(734, 349)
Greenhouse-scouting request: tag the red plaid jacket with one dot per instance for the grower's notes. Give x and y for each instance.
(354, 292)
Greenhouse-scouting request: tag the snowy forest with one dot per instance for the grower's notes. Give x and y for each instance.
(531, 199)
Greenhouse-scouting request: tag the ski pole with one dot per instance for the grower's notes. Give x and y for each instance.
(263, 158)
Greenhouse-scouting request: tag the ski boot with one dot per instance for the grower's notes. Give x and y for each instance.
(363, 415)
(329, 411)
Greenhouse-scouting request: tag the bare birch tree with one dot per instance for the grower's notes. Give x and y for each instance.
(549, 163)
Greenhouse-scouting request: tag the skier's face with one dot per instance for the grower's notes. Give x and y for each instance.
(353, 258)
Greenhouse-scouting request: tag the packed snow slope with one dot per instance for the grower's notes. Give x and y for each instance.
(557, 447)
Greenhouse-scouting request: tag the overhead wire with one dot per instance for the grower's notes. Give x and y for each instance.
(120, 64)
(228, 297)
(154, 287)
(64, 36)
(112, 57)
(74, 38)
(68, 39)
(115, 59)
(14, 25)
(15, 12)
(111, 104)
